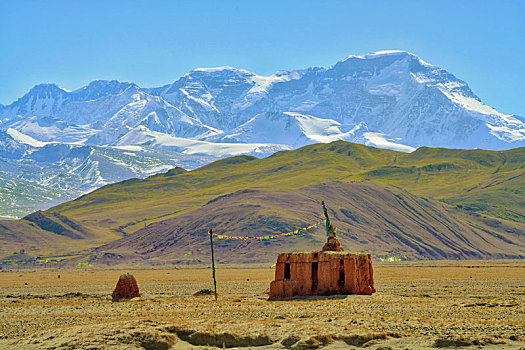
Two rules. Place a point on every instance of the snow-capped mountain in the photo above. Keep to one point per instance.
(390, 99)
(35, 174)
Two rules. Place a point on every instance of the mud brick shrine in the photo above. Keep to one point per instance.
(328, 272)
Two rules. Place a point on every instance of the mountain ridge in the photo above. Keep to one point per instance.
(205, 93)
(390, 99)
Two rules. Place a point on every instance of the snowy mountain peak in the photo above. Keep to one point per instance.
(107, 84)
(47, 88)
(259, 83)
(45, 91)
(390, 53)
(100, 88)
(42, 99)
(378, 54)
(220, 69)
(222, 75)
(388, 56)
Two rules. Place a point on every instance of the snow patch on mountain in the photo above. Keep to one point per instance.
(507, 134)
(22, 138)
(323, 130)
(141, 135)
(381, 140)
(263, 84)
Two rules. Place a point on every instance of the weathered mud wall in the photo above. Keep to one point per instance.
(322, 273)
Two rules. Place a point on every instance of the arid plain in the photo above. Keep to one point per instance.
(478, 304)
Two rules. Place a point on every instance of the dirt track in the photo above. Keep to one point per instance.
(436, 304)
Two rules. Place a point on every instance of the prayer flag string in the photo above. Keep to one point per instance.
(291, 233)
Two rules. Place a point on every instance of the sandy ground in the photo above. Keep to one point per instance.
(417, 306)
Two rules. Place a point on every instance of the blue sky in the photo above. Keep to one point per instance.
(153, 43)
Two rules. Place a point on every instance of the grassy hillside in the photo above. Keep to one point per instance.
(489, 183)
(370, 217)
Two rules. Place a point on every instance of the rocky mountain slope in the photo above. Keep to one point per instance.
(389, 99)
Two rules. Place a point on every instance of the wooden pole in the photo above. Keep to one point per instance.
(213, 265)
(327, 219)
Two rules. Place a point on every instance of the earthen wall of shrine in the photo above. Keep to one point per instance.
(322, 273)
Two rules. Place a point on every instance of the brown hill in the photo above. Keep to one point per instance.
(47, 234)
(371, 217)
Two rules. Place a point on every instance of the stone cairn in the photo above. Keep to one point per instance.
(126, 288)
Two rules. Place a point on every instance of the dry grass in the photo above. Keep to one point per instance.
(418, 305)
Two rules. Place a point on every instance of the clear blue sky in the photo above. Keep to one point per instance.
(153, 43)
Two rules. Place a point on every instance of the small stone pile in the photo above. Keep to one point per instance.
(203, 292)
(126, 288)
(332, 244)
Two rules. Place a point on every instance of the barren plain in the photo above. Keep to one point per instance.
(423, 305)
